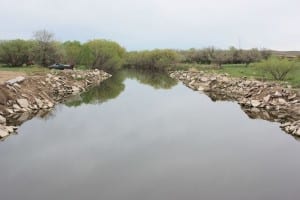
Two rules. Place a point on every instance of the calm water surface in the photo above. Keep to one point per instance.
(146, 137)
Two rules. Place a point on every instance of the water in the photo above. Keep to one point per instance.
(146, 137)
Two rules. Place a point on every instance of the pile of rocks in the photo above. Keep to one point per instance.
(276, 102)
(22, 98)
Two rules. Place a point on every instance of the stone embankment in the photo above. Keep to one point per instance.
(22, 98)
(265, 100)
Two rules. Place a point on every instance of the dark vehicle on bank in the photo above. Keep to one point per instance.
(61, 66)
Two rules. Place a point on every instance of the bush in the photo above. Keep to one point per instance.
(72, 52)
(102, 54)
(16, 52)
(277, 68)
(153, 60)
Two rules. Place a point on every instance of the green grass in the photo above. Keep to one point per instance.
(82, 67)
(33, 69)
(26, 69)
(240, 70)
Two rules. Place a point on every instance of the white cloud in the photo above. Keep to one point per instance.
(150, 24)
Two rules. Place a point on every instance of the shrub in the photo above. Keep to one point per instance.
(16, 52)
(153, 60)
(103, 54)
(277, 68)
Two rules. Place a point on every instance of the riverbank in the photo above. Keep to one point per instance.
(266, 100)
(23, 97)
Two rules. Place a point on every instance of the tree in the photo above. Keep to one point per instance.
(220, 57)
(46, 51)
(72, 52)
(103, 54)
(265, 53)
(155, 60)
(249, 56)
(16, 52)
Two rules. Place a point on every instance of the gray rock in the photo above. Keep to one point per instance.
(9, 111)
(281, 101)
(3, 133)
(267, 98)
(191, 83)
(16, 107)
(204, 79)
(24, 117)
(286, 124)
(50, 105)
(10, 129)
(39, 102)
(298, 132)
(17, 85)
(292, 97)
(18, 79)
(225, 79)
(200, 88)
(23, 103)
(277, 94)
(255, 103)
(2, 120)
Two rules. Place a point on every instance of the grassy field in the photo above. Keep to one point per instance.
(27, 69)
(33, 69)
(240, 70)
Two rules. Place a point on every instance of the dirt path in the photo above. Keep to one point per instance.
(6, 75)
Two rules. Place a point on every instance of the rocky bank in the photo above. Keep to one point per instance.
(265, 100)
(23, 98)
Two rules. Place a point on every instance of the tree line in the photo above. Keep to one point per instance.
(43, 50)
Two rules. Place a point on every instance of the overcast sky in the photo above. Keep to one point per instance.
(148, 24)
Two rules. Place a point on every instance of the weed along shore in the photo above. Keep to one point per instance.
(265, 100)
(22, 98)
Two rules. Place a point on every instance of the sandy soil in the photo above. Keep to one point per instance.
(6, 75)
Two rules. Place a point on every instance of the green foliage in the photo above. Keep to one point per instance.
(103, 54)
(153, 60)
(16, 52)
(72, 52)
(278, 68)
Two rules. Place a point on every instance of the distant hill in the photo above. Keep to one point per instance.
(289, 54)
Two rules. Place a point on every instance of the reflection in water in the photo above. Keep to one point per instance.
(18, 119)
(150, 144)
(108, 89)
(157, 80)
(256, 113)
(114, 86)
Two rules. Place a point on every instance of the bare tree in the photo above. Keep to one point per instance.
(46, 49)
(220, 57)
(44, 36)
